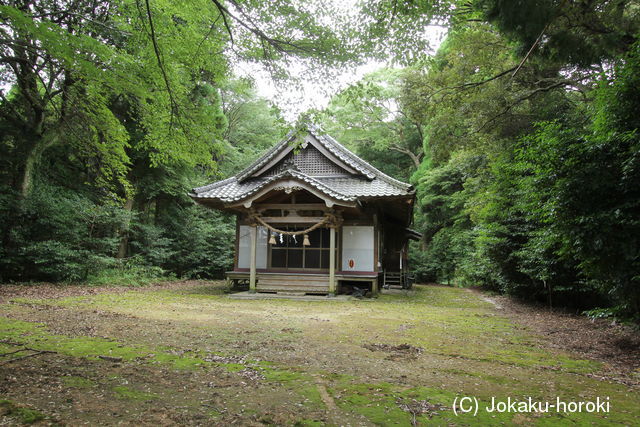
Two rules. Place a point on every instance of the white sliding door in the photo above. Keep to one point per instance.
(244, 247)
(357, 248)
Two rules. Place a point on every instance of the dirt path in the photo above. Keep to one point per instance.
(614, 344)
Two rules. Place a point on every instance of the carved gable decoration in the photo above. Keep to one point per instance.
(309, 161)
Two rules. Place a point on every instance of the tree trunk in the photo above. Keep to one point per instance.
(415, 158)
(26, 180)
(32, 156)
(160, 205)
(549, 290)
(124, 232)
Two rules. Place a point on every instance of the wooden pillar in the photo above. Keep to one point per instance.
(376, 254)
(332, 261)
(252, 257)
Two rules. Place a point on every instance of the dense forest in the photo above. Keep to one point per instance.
(520, 134)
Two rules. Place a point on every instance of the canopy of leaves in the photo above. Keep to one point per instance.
(368, 118)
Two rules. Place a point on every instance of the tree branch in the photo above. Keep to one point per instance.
(37, 352)
(415, 158)
(530, 50)
(521, 99)
(480, 83)
(224, 12)
(156, 50)
(249, 24)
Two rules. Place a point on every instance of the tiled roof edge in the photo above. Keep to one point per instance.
(332, 143)
(266, 158)
(204, 188)
(284, 174)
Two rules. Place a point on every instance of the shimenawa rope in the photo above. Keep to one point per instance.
(328, 219)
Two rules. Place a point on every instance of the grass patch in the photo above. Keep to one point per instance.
(35, 335)
(20, 414)
(281, 376)
(178, 362)
(129, 274)
(78, 382)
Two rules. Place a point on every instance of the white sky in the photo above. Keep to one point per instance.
(294, 99)
(310, 93)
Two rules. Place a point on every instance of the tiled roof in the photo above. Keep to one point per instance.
(230, 190)
(370, 182)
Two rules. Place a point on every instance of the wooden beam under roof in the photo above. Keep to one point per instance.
(287, 186)
(292, 219)
(292, 206)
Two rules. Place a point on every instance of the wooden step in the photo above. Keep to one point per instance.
(290, 280)
(299, 284)
(292, 288)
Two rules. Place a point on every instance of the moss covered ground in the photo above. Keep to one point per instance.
(191, 355)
